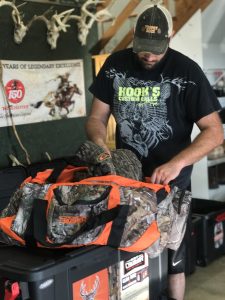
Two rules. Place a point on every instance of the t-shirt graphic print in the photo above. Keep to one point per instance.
(140, 110)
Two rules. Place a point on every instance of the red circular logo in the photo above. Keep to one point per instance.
(15, 91)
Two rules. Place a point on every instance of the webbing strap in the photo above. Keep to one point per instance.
(40, 223)
(29, 232)
(118, 225)
(56, 172)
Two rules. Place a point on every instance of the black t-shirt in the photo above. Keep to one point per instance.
(155, 109)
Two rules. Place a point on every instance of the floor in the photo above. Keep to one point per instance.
(207, 283)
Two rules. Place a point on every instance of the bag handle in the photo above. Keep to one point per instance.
(62, 174)
(58, 169)
(56, 172)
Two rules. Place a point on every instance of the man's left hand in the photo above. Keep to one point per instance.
(165, 173)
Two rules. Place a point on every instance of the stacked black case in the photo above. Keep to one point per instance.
(210, 230)
(49, 275)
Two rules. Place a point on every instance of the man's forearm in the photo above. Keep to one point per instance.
(96, 126)
(96, 131)
(205, 142)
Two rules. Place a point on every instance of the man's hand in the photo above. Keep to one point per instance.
(102, 144)
(166, 172)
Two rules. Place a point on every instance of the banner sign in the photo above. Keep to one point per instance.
(42, 91)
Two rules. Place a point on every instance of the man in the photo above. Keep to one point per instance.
(156, 94)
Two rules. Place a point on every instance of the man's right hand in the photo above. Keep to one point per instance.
(103, 145)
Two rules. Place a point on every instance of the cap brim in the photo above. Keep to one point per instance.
(149, 45)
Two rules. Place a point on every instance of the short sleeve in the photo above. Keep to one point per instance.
(200, 99)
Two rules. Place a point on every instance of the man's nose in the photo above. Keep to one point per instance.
(150, 57)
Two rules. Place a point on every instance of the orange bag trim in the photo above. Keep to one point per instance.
(5, 226)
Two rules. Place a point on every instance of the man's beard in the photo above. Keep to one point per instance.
(147, 65)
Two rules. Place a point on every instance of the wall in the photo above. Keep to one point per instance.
(189, 41)
(213, 24)
(213, 37)
(195, 40)
(58, 138)
(213, 56)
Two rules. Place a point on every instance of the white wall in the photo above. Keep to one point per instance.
(189, 41)
(214, 56)
(213, 35)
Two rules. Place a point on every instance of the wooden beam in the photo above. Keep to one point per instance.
(185, 10)
(125, 42)
(111, 31)
(165, 3)
(104, 4)
(205, 3)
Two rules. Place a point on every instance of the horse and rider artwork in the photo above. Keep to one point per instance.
(61, 101)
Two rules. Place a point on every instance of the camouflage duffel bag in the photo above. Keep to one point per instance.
(104, 210)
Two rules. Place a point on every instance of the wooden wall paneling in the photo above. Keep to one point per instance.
(99, 61)
(110, 140)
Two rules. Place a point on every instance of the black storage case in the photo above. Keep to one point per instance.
(10, 180)
(12, 177)
(49, 274)
(191, 246)
(210, 231)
